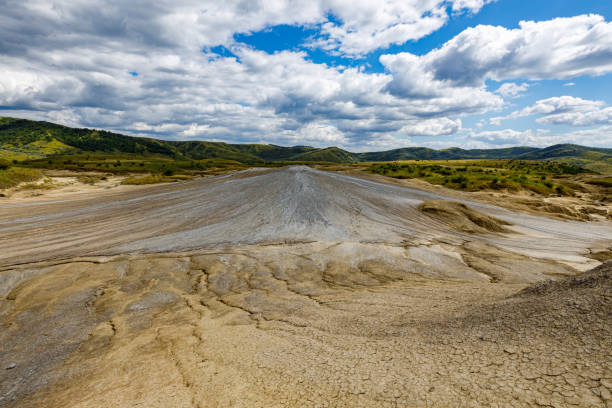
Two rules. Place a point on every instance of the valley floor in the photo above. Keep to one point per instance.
(298, 287)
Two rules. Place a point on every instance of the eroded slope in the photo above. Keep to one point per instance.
(297, 288)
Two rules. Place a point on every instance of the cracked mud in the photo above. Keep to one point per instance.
(298, 287)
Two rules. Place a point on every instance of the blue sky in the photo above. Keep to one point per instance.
(355, 74)
(503, 13)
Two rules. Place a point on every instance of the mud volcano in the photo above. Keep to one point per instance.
(297, 287)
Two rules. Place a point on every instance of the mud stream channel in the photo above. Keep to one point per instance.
(297, 287)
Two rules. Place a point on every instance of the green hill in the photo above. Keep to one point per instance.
(453, 153)
(272, 152)
(592, 158)
(328, 154)
(22, 139)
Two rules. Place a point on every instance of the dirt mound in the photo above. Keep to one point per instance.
(461, 217)
(597, 278)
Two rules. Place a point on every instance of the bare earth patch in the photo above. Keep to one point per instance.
(298, 287)
(461, 217)
(591, 204)
(66, 185)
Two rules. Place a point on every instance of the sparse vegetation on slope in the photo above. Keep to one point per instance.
(22, 139)
(603, 181)
(120, 164)
(461, 217)
(477, 175)
(13, 176)
(330, 154)
(150, 179)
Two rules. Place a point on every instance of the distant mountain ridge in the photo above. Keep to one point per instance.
(39, 139)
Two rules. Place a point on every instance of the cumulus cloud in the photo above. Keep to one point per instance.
(362, 26)
(505, 137)
(355, 27)
(180, 92)
(512, 90)
(319, 135)
(432, 127)
(596, 137)
(73, 62)
(411, 80)
(560, 104)
(555, 49)
(472, 5)
(589, 118)
(564, 110)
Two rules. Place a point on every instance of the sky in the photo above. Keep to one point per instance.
(362, 75)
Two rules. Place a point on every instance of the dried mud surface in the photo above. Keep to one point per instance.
(297, 288)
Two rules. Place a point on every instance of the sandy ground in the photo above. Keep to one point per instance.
(297, 287)
(62, 185)
(584, 206)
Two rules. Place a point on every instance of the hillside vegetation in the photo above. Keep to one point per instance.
(12, 176)
(541, 177)
(22, 139)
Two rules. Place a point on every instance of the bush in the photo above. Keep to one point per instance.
(12, 176)
(604, 181)
(151, 179)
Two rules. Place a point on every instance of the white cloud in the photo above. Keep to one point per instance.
(588, 118)
(569, 84)
(597, 137)
(365, 25)
(512, 90)
(560, 104)
(564, 110)
(505, 137)
(358, 26)
(70, 62)
(256, 97)
(412, 81)
(555, 49)
(472, 5)
(432, 127)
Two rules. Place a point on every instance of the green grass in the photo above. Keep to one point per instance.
(603, 181)
(601, 165)
(475, 175)
(118, 164)
(12, 176)
(34, 150)
(149, 179)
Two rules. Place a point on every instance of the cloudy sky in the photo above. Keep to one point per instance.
(359, 74)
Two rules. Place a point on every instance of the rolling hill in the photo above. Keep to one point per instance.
(22, 139)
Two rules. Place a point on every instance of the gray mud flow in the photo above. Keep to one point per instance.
(299, 288)
(295, 204)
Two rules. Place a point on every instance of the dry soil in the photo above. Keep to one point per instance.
(299, 287)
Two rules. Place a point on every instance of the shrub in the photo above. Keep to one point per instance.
(12, 176)
(150, 179)
(604, 181)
